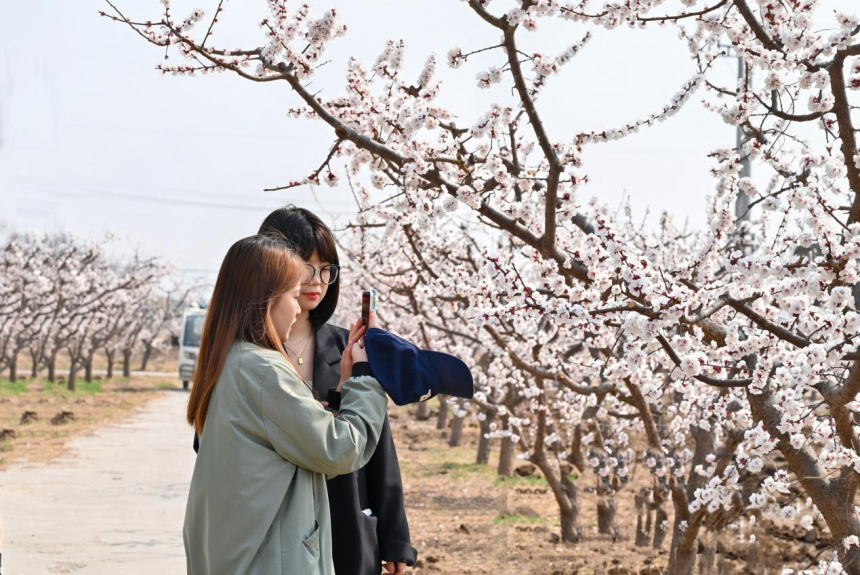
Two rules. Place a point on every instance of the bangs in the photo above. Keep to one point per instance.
(325, 246)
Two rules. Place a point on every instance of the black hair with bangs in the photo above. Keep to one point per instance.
(306, 233)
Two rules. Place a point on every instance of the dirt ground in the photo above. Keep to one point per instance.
(38, 436)
(466, 519)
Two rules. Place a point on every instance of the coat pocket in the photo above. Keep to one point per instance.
(312, 542)
(302, 556)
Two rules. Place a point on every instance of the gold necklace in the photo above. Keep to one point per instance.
(300, 359)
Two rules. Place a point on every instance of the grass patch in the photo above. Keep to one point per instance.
(91, 388)
(166, 385)
(531, 480)
(517, 480)
(465, 470)
(61, 388)
(13, 387)
(516, 518)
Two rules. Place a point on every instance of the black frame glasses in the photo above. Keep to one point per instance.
(333, 270)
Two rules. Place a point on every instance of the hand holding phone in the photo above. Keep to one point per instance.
(354, 352)
(368, 302)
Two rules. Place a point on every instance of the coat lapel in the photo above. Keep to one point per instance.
(327, 356)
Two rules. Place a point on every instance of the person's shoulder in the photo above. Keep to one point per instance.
(249, 356)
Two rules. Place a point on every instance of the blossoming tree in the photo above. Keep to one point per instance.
(720, 348)
(59, 293)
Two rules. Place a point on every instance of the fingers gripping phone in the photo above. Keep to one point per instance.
(368, 302)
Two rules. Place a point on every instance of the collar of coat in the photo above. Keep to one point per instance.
(328, 350)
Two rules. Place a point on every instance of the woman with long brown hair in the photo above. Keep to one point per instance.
(258, 502)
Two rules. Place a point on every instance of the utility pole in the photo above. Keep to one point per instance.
(742, 201)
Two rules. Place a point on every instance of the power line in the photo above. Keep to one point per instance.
(57, 186)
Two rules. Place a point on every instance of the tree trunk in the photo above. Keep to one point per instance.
(708, 558)
(569, 512)
(126, 363)
(73, 374)
(13, 367)
(147, 351)
(485, 444)
(34, 367)
(109, 355)
(456, 431)
(423, 411)
(644, 519)
(661, 518)
(506, 458)
(607, 511)
(88, 370)
(52, 367)
(682, 553)
(442, 418)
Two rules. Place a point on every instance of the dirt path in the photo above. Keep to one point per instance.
(114, 505)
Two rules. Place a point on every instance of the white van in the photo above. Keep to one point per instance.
(189, 342)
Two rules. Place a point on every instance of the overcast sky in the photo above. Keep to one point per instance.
(93, 138)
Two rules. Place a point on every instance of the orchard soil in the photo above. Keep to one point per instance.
(466, 519)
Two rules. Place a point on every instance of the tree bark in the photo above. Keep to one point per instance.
(661, 518)
(147, 351)
(442, 418)
(485, 444)
(607, 512)
(708, 559)
(109, 355)
(126, 363)
(570, 530)
(52, 367)
(456, 431)
(88, 369)
(644, 519)
(73, 375)
(506, 458)
(13, 367)
(568, 506)
(682, 552)
(422, 413)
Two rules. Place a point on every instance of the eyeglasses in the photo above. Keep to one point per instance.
(328, 273)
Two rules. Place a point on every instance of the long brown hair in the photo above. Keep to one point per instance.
(255, 272)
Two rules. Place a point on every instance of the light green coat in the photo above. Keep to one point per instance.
(258, 503)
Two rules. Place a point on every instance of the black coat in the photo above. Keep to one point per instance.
(360, 543)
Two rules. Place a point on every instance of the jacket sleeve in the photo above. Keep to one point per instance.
(304, 433)
(385, 492)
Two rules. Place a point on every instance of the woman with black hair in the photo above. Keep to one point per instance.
(368, 515)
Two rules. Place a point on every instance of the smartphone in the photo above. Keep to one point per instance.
(368, 302)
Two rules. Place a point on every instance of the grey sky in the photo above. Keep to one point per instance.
(94, 138)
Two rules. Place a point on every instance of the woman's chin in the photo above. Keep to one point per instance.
(308, 304)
